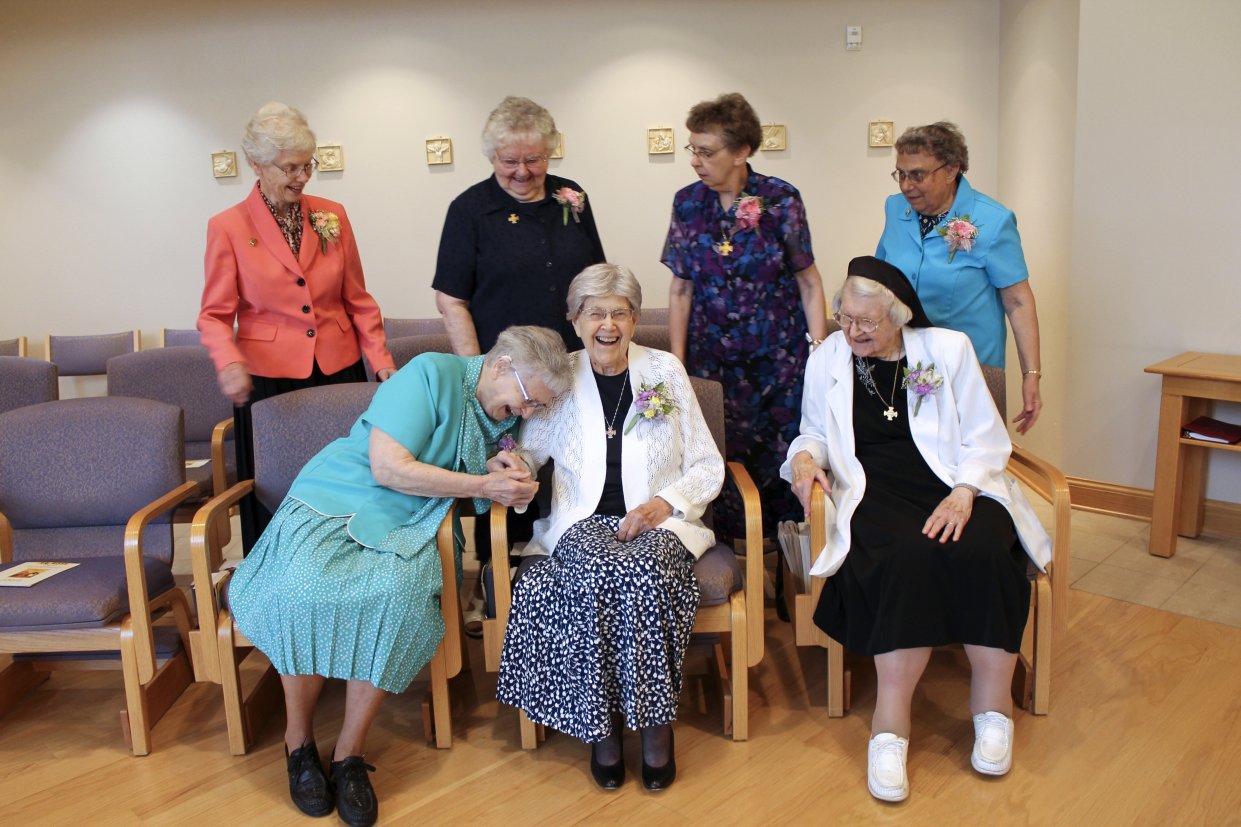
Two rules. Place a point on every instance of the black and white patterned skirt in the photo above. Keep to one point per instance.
(600, 627)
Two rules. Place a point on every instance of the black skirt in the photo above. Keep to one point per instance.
(898, 589)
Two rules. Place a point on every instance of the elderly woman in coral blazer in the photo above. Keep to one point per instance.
(284, 267)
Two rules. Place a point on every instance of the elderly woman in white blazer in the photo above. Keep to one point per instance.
(598, 630)
(930, 541)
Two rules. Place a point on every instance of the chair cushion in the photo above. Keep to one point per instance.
(92, 594)
(718, 574)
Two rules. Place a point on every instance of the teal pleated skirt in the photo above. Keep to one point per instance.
(316, 602)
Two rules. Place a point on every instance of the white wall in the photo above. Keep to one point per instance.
(1156, 268)
(1038, 96)
(109, 116)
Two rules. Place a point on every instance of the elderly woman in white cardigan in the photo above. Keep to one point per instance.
(930, 542)
(598, 631)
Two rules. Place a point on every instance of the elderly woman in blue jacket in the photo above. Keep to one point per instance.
(930, 542)
(961, 251)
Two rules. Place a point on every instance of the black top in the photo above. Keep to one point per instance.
(513, 261)
(617, 397)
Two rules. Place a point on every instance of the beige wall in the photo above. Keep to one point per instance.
(1156, 268)
(110, 115)
(1112, 145)
(1038, 99)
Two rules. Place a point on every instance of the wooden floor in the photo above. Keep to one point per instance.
(1144, 729)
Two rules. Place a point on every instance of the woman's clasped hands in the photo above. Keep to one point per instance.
(509, 481)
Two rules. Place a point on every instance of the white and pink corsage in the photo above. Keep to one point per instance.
(960, 235)
(652, 403)
(749, 210)
(923, 381)
(572, 200)
(327, 225)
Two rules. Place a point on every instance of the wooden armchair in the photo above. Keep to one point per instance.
(731, 602)
(288, 430)
(89, 355)
(25, 381)
(71, 475)
(1048, 601)
(13, 347)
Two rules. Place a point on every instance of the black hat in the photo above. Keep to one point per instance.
(876, 269)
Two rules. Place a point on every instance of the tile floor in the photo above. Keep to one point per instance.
(1107, 557)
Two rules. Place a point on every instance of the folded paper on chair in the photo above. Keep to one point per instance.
(1212, 430)
(795, 543)
(27, 574)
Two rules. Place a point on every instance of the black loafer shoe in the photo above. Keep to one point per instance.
(308, 785)
(661, 778)
(607, 776)
(355, 797)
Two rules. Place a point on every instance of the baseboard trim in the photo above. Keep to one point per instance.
(1126, 501)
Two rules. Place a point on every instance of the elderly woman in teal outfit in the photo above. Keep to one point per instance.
(961, 251)
(345, 581)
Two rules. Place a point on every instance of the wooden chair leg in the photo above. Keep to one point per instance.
(531, 733)
(135, 723)
(720, 666)
(441, 713)
(835, 679)
(1043, 632)
(740, 670)
(239, 737)
(16, 679)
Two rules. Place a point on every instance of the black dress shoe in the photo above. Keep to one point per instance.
(356, 803)
(661, 778)
(308, 785)
(607, 776)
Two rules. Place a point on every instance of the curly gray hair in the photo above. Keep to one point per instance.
(518, 119)
(941, 140)
(601, 281)
(864, 288)
(275, 128)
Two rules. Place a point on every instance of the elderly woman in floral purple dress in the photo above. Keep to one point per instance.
(746, 304)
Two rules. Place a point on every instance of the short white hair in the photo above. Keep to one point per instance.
(536, 351)
(863, 288)
(601, 281)
(518, 120)
(275, 128)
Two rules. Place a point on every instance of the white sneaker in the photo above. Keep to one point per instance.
(885, 767)
(993, 743)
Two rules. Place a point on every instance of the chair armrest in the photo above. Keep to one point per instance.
(450, 596)
(1049, 482)
(6, 539)
(136, 578)
(818, 539)
(205, 558)
(501, 580)
(753, 509)
(219, 471)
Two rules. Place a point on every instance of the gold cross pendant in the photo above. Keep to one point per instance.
(724, 247)
(512, 218)
(611, 432)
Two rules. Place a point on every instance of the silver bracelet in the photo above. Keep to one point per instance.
(973, 489)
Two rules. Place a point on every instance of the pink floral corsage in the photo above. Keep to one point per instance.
(960, 235)
(327, 225)
(572, 200)
(749, 209)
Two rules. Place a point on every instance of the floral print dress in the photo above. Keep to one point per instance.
(747, 328)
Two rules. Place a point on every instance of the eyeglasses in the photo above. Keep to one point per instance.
(531, 162)
(296, 171)
(527, 402)
(915, 175)
(846, 322)
(598, 314)
(702, 152)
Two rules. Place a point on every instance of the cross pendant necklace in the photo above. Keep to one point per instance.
(611, 431)
(891, 412)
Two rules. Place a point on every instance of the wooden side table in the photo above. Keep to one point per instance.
(1191, 381)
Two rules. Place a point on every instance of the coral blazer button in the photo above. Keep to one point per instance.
(305, 308)
(310, 333)
(301, 282)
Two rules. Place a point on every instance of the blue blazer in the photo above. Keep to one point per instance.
(964, 294)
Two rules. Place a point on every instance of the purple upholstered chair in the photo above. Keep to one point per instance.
(91, 481)
(89, 355)
(26, 382)
(288, 431)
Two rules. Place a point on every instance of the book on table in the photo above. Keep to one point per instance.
(1212, 430)
(29, 573)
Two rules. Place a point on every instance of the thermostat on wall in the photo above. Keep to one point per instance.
(853, 38)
